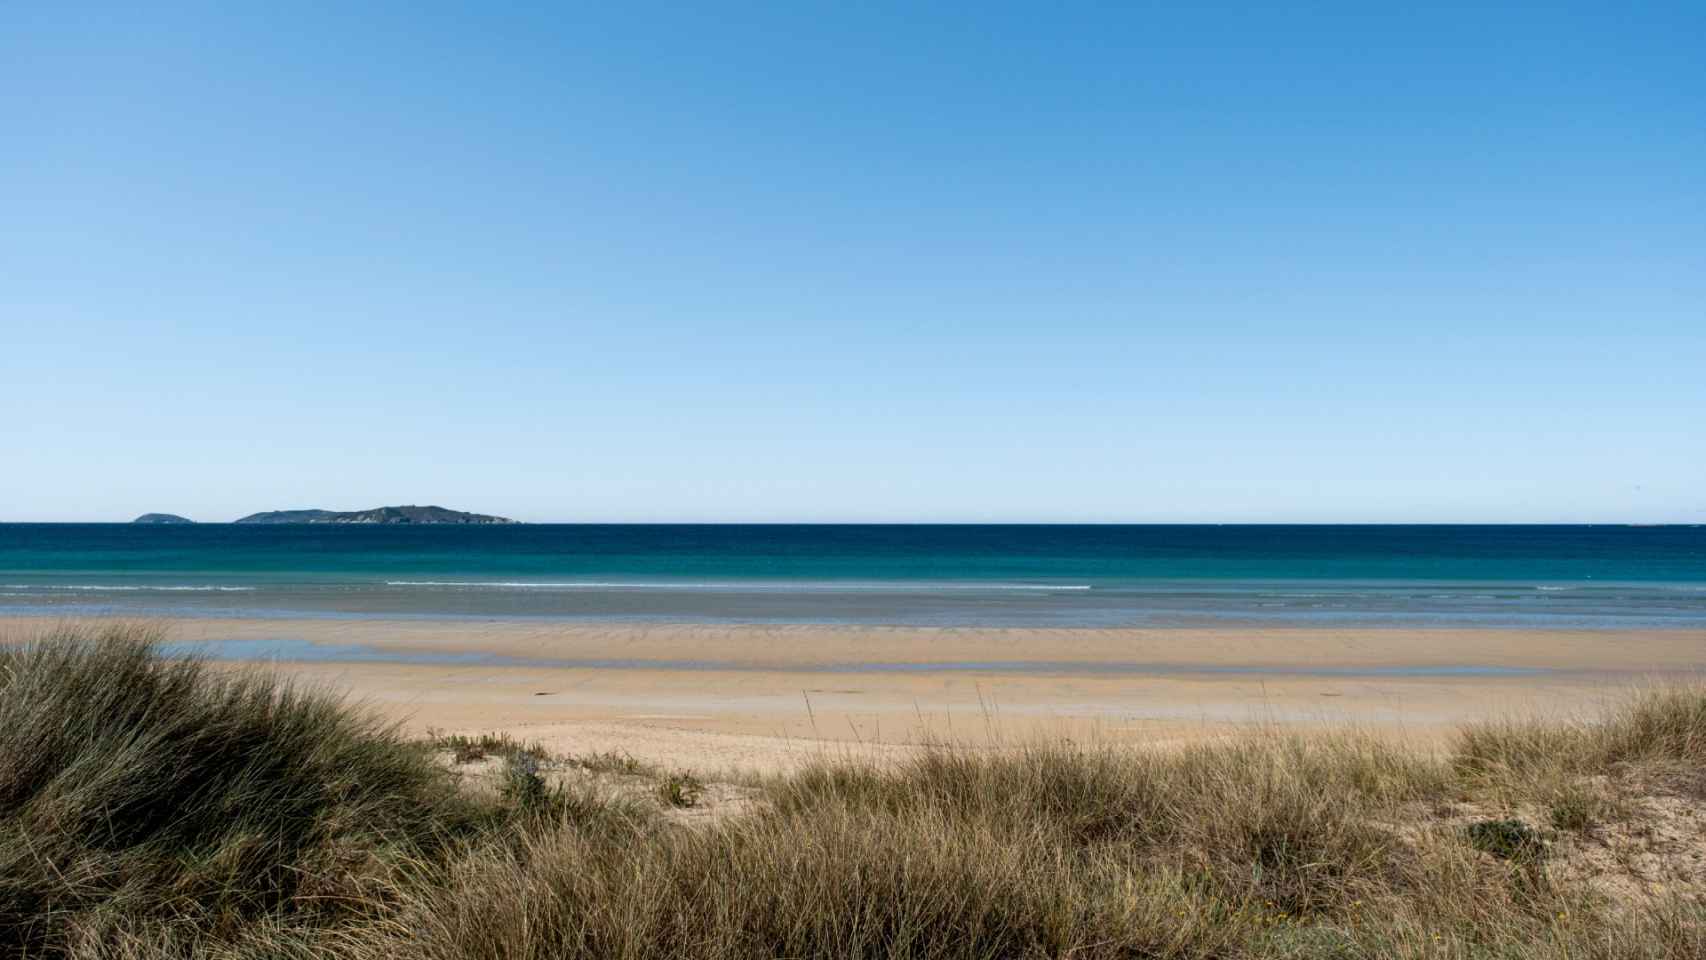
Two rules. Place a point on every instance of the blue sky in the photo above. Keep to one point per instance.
(855, 262)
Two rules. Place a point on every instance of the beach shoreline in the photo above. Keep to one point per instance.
(766, 697)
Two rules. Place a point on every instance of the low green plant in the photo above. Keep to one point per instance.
(680, 789)
(523, 784)
(612, 761)
(1509, 839)
(466, 749)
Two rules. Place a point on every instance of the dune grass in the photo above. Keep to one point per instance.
(153, 808)
(1273, 846)
(141, 795)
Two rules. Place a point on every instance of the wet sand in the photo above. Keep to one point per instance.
(764, 697)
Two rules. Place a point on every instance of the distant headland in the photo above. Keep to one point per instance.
(162, 518)
(405, 514)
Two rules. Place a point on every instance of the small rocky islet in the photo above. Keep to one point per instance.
(391, 515)
(162, 518)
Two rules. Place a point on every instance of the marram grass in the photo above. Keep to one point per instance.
(159, 808)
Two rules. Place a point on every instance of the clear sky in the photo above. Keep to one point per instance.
(790, 261)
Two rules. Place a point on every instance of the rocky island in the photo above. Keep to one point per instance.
(405, 514)
(162, 518)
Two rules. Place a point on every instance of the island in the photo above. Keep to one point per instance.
(405, 514)
(162, 518)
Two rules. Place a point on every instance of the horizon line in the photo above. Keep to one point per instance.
(910, 523)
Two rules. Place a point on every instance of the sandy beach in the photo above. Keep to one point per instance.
(762, 697)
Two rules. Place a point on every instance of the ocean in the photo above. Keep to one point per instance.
(925, 575)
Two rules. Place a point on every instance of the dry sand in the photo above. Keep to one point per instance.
(715, 698)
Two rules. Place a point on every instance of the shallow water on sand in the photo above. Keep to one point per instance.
(294, 650)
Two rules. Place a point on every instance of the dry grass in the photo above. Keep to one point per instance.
(185, 814)
(143, 798)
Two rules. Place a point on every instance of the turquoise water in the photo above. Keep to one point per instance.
(1598, 576)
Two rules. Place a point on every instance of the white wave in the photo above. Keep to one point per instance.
(129, 588)
(756, 585)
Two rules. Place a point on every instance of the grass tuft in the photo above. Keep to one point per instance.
(614, 762)
(139, 794)
(465, 749)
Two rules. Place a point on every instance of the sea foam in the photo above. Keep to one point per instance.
(130, 588)
(757, 586)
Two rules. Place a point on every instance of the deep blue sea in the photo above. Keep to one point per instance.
(975, 575)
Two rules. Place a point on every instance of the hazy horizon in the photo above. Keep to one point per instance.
(892, 264)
